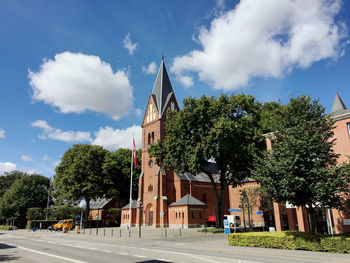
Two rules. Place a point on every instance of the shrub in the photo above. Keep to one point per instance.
(2, 227)
(291, 240)
(211, 230)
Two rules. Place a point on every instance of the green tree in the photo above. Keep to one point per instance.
(224, 130)
(300, 168)
(8, 179)
(28, 191)
(80, 175)
(117, 165)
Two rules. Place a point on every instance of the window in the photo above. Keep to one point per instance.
(348, 124)
(200, 215)
(176, 215)
(149, 138)
(192, 215)
(204, 198)
(152, 137)
(150, 163)
(150, 188)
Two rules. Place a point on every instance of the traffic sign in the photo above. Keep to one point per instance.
(259, 212)
(235, 210)
(226, 223)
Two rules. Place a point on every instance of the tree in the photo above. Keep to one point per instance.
(8, 179)
(117, 165)
(224, 130)
(80, 175)
(300, 168)
(28, 191)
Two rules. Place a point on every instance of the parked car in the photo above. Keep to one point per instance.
(65, 222)
(211, 220)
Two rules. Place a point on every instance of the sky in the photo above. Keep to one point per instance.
(82, 71)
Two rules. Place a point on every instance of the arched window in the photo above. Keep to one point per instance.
(200, 215)
(183, 215)
(192, 215)
(149, 138)
(176, 215)
(152, 137)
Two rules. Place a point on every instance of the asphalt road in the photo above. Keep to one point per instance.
(52, 247)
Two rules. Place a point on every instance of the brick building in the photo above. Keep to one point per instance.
(170, 199)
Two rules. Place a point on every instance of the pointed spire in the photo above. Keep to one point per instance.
(338, 104)
(162, 88)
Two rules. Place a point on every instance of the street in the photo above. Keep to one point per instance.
(26, 246)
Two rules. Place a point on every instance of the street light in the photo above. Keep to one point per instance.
(48, 200)
(140, 214)
(97, 220)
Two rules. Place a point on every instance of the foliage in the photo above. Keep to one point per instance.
(291, 240)
(6, 228)
(117, 165)
(299, 169)
(225, 130)
(35, 213)
(211, 230)
(28, 191)
(80, 174)
(8, 179)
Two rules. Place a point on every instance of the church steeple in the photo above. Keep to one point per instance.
(162, 89)
(338, 104)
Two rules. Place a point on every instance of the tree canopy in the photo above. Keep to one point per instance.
(27, 191)
(80, 174)
(224, 130)
(301, 167)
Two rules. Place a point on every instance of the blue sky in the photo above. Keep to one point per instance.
(82, 71)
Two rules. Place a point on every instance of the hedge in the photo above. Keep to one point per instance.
(292, 240)
(2, 227)
(211, 230)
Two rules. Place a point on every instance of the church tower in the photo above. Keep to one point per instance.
(153, 184)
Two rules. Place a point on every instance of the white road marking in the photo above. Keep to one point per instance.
(92, 248)
(47, 254)
(107, 251)
(121, 253)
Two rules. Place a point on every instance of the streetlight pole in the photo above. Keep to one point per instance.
(47, 205)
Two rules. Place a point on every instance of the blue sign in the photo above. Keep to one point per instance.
(235, 210)
(259, 212)
(226, 223)
(78, 215)
(227, 231)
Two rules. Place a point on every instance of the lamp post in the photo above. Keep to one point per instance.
(97, 221)
(47, 205)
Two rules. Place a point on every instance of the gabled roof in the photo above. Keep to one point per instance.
(339, 110)
(99, 203)
(162, 89)
(201, 176)
(187, 200)
(133, 205)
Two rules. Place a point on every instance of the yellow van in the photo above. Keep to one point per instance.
(65, 222)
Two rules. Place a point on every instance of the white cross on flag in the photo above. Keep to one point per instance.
(134, 152)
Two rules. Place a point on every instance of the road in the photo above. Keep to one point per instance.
(24, 246)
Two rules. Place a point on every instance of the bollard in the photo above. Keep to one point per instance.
(130, 233)
(90, 231)
(180, 232)
(96, 231)
(84, 230)
(120, 233)
(165, 233)
(104, 232)
(112, 232)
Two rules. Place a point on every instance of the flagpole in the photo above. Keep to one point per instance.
(131, 169)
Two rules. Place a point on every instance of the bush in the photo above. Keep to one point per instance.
(291, 240)
(2, 227)
(211, 230)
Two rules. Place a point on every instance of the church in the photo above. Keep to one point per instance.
(169, 199)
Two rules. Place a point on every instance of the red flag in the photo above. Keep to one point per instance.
(134, 152)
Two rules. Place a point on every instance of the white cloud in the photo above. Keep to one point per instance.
(75, 83)
(131, 47)
(264, 38)
(2, 134)
(46, 158)
(186, 81)
(57, 134)
(150, 69)
(56, 163)
(138, 112)
(113, 139)
(7, 167)
(26, 158)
